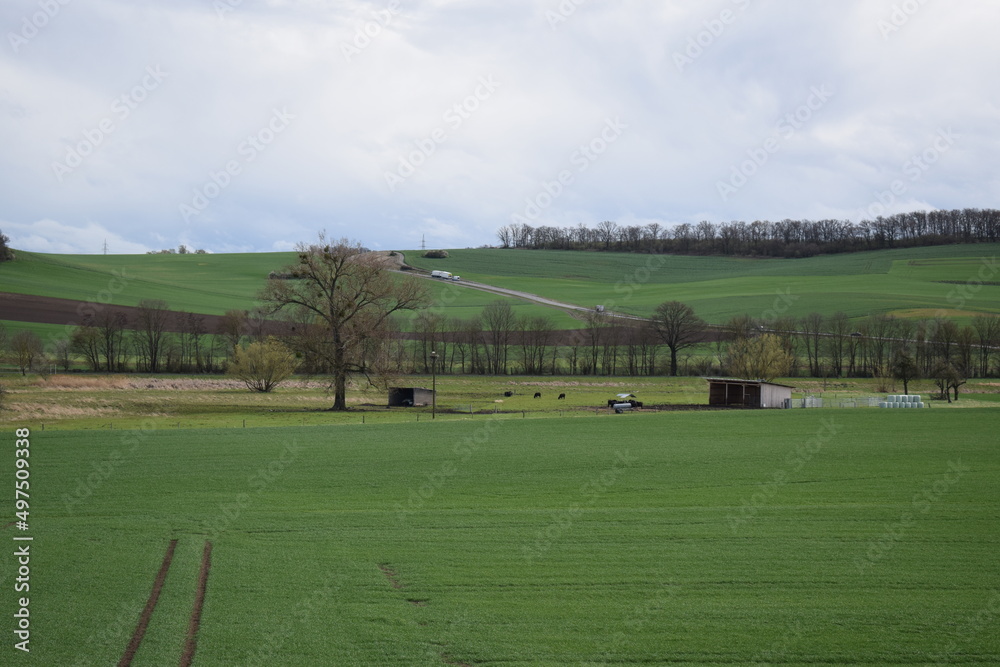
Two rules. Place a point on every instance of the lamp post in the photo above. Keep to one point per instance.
(434, 358)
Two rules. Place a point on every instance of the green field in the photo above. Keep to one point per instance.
(915, 282)
(906, 282)
(128, 401)
(790, 537)
(207, 284)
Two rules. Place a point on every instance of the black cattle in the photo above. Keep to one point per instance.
(508, 394)
(538, 394)
(561, 396)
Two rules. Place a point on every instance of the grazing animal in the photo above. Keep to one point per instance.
(561, 396)
(538, 394)
(508, 394)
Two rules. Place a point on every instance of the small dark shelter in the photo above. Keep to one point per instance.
(407, 397)
(729, 392)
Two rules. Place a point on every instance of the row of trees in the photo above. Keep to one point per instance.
(675, 341)
(787, 238)
(340, 305)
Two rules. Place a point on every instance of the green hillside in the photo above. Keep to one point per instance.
(916, 282)
(208, 284)
(906, 282)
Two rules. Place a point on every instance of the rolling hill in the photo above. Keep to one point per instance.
(958, 281)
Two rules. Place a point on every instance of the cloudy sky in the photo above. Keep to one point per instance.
(250, 125)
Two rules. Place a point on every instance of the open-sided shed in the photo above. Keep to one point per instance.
(407, 397)
(731, 392)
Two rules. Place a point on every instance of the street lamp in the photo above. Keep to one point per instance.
(434, 358)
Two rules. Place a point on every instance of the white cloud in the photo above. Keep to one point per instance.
(361, 101)
(56, 237)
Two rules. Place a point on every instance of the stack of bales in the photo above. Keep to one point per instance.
(903, 401)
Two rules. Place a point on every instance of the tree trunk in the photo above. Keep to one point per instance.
(339, 376)
(339, 392)
(673, 361)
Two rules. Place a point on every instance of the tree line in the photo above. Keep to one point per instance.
(337, 312)
(677, 342)
(786, 238)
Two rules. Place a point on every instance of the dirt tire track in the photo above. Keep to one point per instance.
(199, 603)
(154, 596)
(391, 575)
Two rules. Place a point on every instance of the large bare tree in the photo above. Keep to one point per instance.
(347, 296)
(679, 328)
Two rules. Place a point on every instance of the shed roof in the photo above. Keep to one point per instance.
(739, 381)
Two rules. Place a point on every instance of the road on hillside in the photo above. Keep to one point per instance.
(517, 294)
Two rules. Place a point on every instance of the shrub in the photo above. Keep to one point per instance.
(436, 254)
(262, 366)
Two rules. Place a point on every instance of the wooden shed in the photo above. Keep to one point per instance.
(731, 392)
(407, 397)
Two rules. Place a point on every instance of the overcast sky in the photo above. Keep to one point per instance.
(251, 125)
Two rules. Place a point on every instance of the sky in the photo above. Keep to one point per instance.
(252, 125)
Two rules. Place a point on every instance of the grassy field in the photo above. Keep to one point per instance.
(917, 282)
(905, 282)
(208, 284)
(795, 537)
(164, 401)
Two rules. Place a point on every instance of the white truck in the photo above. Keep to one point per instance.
(441, 274)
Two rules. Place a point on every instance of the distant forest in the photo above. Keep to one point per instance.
(787, 238)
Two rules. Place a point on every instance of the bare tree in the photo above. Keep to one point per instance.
(987, 328)
(812, 336)
(26, 348)
(904, 368)
(86, 341)
(499, 322)
(110, 325)
(151, 331)
(349, 297)
(839, 327)
(536, 335)
(679, 328)
(232, 328)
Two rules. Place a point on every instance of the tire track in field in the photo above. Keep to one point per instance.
(199, 602)
(154, 596)
(392, 576)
